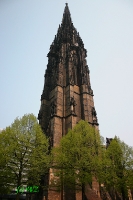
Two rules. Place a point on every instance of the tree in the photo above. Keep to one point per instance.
(24, 154)
(78, 156)
(118, 169)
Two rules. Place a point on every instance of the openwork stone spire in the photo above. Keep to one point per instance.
(67, 95)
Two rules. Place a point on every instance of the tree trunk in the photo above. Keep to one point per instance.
(17, 196)
(83, 191)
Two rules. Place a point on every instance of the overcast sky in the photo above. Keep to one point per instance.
(27, 28)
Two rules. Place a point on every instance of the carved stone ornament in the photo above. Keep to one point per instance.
(94, 115)
(72, 105)
(53, 108)
(90, 90)
(108, 141)
(84, 78)
(40, 115)
(71, 80)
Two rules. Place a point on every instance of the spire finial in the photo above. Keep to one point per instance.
(66, 16)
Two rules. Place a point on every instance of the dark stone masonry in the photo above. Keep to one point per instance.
(67, 95)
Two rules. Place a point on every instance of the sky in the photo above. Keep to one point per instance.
(27, 29)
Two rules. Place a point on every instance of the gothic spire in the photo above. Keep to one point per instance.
(67, 96)
(66, 20)
(66, 33)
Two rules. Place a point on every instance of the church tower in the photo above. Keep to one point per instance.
(67, 95)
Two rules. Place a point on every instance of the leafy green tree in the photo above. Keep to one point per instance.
(5, 173)
(118, 168)
(24, 156)
(78, 156)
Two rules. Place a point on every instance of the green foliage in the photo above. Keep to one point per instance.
(118, 167)
(81, 156)
(78, 155)
(23, 154)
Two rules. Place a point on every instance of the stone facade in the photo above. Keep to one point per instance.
(67, 95)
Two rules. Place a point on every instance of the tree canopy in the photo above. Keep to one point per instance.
(23, 154)
(118, 168)
(82, 155)
(78, 155)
